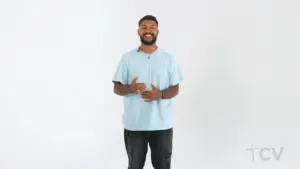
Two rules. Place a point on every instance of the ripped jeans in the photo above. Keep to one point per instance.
(160, 143)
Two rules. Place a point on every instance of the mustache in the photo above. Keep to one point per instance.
(148, 33)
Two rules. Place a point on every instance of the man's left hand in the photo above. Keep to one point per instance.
(153, 95)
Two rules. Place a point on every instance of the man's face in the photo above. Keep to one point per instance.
(148, 32)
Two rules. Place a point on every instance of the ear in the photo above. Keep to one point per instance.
(138, 31)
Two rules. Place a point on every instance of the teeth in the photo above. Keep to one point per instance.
(148, 35)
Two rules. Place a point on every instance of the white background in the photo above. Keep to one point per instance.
(240, 60)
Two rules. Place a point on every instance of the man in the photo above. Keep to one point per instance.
(148, 78)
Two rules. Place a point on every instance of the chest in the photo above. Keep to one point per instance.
(149, 69)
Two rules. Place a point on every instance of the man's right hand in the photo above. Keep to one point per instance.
(137, 88)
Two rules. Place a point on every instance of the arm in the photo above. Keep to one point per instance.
(175, 78)
(120, 79)
(170, 92)
(121, 89)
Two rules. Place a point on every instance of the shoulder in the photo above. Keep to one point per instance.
(129, 54)
(167, 55)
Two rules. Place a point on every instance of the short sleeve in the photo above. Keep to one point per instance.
(121, 74)
(176, 75)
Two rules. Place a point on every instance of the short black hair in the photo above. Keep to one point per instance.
(148, 17)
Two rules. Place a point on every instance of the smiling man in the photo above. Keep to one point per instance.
(148, 78)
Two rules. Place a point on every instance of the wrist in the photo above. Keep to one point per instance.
(129, 90)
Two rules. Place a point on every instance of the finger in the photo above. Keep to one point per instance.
(134, 80)
(142, 91)
(153, 87)
(136, 86)
(140, 85)
(143, 85)
(147, 94)
(147, 97)
(148, 100)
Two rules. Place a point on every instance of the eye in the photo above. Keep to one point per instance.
(144, 27)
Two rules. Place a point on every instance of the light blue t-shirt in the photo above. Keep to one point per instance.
(160, 69)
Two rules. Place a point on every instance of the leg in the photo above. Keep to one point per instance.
(136, 145)
(161, 148)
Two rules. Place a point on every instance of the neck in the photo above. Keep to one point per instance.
(148, 49)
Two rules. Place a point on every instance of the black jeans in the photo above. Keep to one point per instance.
(160, 143)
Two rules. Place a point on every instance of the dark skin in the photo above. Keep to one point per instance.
(133, 88)
(148, 96)
(146, 27)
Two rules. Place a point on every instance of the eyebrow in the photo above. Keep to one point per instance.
(149, 25)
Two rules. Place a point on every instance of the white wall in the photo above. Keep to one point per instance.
(240, 60)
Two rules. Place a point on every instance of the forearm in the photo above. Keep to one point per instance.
(121, 90)
(170, 92)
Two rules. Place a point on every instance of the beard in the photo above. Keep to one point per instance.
(148, 43)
